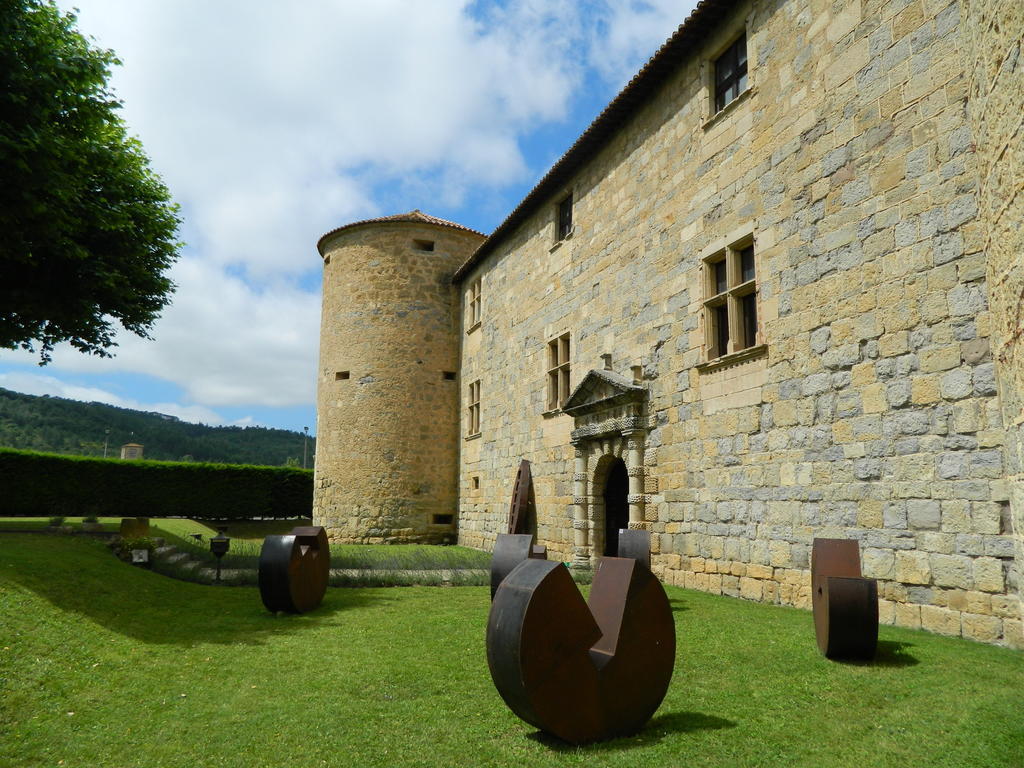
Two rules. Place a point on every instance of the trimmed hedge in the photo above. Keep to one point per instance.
(41, 484)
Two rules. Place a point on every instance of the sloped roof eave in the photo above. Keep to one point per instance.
(605, 126)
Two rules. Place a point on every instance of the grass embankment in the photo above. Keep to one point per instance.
(104, 664)
(357, 565)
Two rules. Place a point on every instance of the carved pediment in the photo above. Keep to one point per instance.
(601, 390)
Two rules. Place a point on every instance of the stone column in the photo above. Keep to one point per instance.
(635, 470)
(581, 546)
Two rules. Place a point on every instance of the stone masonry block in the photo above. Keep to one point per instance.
(984, 629)
(951, 571)
(988, 574)
(913, 567)
(940, 620)
(878, 563)
(924, 514)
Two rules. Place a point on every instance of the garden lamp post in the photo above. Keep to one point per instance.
(106, 439)
(305, 445)
(219, 546)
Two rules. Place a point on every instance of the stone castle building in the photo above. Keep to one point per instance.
(773, 292)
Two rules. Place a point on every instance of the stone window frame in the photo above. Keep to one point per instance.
(727, 293)
(558, 356)
(736, 82)
(720, 44)
(473, 304)
(473, 409)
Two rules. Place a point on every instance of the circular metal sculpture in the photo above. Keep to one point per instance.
(522, 509)
(294, 570)
(580, 671)
(845, 604)
(510, 549)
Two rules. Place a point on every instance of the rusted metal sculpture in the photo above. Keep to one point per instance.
(582, 672)
(294, 569)
(635, 544)
(522, 507)
(845, 604)
(510, 549)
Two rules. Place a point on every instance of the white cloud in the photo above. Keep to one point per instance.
(39, 384)
(629, 32)
(221, 341)
(273, 123)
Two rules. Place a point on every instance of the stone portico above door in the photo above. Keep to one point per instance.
(610, 426)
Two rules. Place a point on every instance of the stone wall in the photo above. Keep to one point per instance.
(993, 32)
(387, 432)
(868, 407)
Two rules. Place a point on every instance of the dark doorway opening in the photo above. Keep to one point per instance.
(616, 506)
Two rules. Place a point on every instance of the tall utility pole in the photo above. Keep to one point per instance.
(106, 439)
(305, 445)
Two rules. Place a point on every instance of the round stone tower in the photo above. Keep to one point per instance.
(388, 389)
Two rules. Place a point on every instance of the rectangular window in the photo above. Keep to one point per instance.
(558, 372)
(730, 306)
(473, 303)
(565, 217)
(473, 411)
(731, 73)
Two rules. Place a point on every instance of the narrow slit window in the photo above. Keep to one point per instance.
(473, 409)
(448, 375)
(473, 303)
(443, 519)
(565, 217)
(423, 245)
(342, 376)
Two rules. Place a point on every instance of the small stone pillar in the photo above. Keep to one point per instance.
(635, 470)
(581, 547)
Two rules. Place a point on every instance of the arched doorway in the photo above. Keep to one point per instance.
(616, 506)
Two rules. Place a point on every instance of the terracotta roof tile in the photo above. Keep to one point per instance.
(417, 216)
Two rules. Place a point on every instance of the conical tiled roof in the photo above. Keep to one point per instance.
(416, 216)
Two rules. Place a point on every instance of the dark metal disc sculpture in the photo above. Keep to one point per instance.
(294, 569)
(510, 549)
(845, 604)
(582, 671)
(522, 500)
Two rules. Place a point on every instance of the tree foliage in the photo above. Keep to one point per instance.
(87, 229)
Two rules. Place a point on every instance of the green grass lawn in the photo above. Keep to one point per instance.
(103, 664)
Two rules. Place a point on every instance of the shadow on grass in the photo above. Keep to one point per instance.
(888, 653)
(656, 729)
(678, 605)
(85, 580)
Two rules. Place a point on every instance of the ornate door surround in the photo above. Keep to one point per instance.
(609, 411)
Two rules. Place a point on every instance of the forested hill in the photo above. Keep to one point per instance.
(56, 425)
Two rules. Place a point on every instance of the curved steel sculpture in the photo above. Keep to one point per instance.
(845, 604)
(510, 549)
(294, 569)
(522, 507)
(582, 671)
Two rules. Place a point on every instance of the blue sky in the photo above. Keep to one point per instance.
(272, 127)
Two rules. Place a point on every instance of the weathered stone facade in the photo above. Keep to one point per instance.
(993, 35)
(866, 409)
(387, 439)
(874, 171)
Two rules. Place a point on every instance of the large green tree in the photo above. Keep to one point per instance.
(87, 229)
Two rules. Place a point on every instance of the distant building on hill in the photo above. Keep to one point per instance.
(131, 451)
